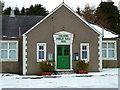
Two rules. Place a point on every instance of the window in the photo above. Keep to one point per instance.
(59, 51)
(109, 50)
(41, 51)
(66, 51)
(9, 50)
(84, 51)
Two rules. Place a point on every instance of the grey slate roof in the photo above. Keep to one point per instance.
(11, 25)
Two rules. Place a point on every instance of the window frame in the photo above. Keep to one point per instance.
(88, 54)
(38, 44)
(8, 49)
(115, 50)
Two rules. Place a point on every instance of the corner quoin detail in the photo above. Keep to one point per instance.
(100, 53)
(24, 54)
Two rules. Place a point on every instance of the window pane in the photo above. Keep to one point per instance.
(104, 45)
(110, 45)
(41, 54)
(12, 54)
(84, 54)
(12, 45)
(111, 53)
(4, 45)
(84, 47)
(40, 47)
(4, 54)
(59, 52)
(0, 45)
(66, 51)
(104, 55)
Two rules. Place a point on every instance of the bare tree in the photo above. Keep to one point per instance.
(88, 13)
(79, 11)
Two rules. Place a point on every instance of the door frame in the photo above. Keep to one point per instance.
(70, 56)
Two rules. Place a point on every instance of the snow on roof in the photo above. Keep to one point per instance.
(104, 32)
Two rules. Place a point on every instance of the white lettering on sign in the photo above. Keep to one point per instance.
(63, 37)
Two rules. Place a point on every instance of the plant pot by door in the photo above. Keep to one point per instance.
(82, 72)
(46, 73)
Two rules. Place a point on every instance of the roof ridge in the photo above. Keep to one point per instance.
(23, 16)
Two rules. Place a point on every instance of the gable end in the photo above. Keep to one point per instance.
(63, 4)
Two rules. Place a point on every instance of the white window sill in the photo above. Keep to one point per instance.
(9, 60)
(85, 59)
(40, 60)
(109, 58)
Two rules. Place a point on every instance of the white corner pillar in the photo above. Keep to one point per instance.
(24, 68)
(100, 52)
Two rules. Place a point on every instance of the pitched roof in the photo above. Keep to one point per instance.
(106, 33)
(13, 26)
(63, 4)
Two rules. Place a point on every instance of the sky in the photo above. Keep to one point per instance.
(52, 4)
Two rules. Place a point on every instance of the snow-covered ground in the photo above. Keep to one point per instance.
(106, 79)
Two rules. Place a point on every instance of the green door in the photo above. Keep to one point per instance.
(63, 56)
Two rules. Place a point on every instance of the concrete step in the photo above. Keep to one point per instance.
(64, 72)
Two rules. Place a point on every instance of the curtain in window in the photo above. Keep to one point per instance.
(41, 54)
(84, 54)
(41, 51)
(84, 51)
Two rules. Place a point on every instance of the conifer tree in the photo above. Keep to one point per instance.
(38, 9)
(17, 11)
(7, 11)
(23, 11)
(108, 16)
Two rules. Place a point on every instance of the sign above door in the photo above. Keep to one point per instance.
(63, 37)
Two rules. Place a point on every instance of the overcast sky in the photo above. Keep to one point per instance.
(51, 4)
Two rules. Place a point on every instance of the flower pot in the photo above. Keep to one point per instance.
(46, 73)
(82, 72)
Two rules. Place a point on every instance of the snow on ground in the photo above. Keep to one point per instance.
(106, 79)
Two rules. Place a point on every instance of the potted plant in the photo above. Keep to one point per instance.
(82, 67)
(47, 67)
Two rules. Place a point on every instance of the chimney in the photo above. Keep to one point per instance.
(12, 14)
(19, 32)
(109, 1)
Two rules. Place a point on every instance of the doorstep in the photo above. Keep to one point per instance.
(65, 72)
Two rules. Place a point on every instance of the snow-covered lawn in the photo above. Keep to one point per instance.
(106, 79)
